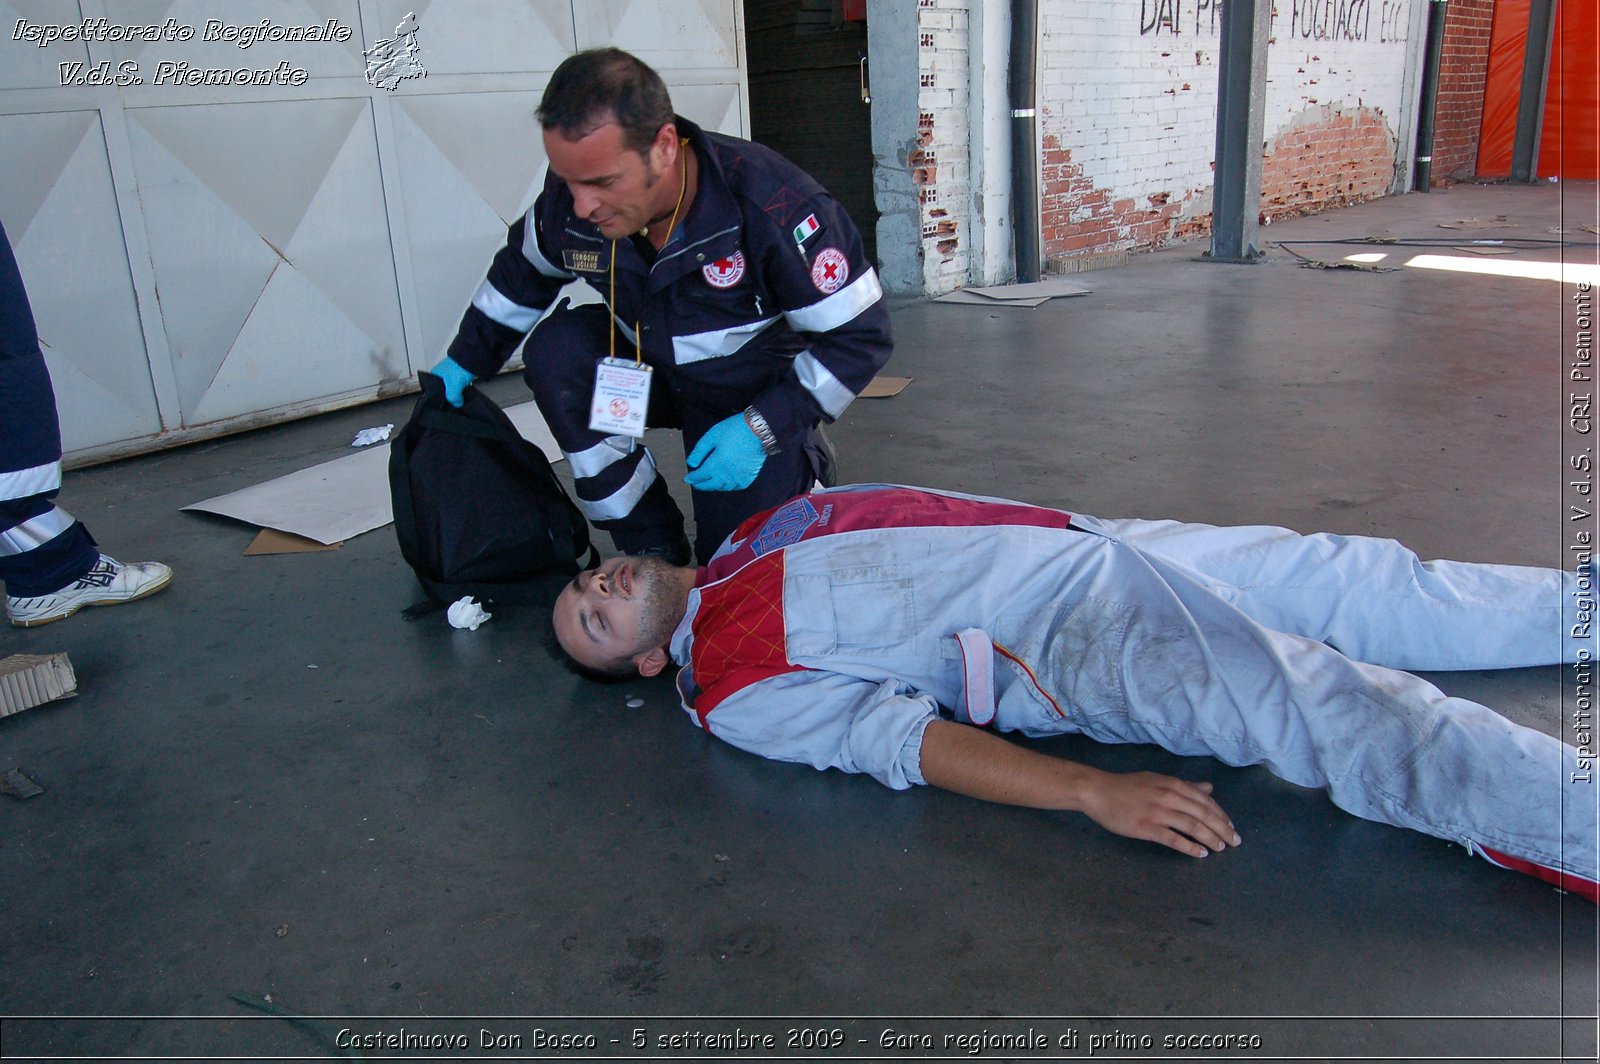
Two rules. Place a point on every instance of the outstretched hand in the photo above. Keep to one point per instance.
(1141, 805)
(1173, 812)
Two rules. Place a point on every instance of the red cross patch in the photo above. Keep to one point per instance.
(830, 270)
(725, 273)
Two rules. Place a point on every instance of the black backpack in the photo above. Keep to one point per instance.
(477, 509)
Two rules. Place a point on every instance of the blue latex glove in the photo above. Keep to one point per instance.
(727, 458)
(455, 377)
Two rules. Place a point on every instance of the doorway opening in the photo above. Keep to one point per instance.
(809, 96)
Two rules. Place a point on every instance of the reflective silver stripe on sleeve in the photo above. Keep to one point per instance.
(592, 461)
(843, 306)
(829, 392)
(35, 531)
(697, 347)
(621, 502)
(531, 252)
(489, 299)
(21, 483)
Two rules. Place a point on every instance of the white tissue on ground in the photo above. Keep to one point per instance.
(466, 613)
(367, 437)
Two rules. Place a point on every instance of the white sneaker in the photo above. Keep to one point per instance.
(107, 584)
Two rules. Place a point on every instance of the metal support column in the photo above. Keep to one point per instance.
(1430, 95)
(1024, 138)
(1535, 76)
(1241, 119)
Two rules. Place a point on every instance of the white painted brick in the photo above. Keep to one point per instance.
(1115, 98)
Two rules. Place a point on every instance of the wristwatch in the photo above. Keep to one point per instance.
(763, 431)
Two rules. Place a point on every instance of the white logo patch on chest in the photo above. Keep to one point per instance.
(725, 273)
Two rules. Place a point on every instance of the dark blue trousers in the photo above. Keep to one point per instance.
(616, 481)
(42, 548)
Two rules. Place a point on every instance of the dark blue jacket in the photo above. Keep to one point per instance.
(762, 297)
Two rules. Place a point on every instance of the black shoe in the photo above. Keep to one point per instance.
(674, 553)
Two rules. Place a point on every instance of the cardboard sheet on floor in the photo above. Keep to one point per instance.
(1015, 295)
(271, 541)
(961, 295)
(884, 387)
(336, 500)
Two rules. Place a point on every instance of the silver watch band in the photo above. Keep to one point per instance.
(763, 431)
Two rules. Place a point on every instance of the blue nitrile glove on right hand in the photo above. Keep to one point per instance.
(455, 377)
(727, 458)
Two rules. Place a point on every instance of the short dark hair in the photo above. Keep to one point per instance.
(600, 85)
(620, 672)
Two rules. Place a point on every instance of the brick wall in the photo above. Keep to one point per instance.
(1327, 156)
(1128, 96)
(940, 164)
(1463, 67)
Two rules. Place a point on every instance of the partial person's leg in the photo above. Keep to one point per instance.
(1195, 675)
(615, 477)
(42, 548)
(1374, 599)
(49, 563)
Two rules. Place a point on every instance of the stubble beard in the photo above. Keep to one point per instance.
(661, 603)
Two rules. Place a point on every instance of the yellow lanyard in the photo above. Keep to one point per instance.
(683, 187)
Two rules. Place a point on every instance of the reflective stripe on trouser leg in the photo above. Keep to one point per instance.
(37, 480)
(614, 489)
(35, 532)
(616, 483)
(44, 552)
(640, 514)
(33, 559)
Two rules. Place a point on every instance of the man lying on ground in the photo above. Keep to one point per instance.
(886, 630)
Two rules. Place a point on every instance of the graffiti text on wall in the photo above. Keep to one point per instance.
(1348, 20)
(1312, 20)
(1167, 16)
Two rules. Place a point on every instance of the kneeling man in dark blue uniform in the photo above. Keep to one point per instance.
(738, 307)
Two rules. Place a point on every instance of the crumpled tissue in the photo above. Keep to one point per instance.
(466, 613)
(367, 437)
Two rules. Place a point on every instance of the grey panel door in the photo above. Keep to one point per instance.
(207, 253)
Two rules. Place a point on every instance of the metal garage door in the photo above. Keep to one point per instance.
(204, 257)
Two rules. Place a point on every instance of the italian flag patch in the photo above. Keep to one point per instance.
(806, 229)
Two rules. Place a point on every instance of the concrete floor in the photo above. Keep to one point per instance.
(273, 784)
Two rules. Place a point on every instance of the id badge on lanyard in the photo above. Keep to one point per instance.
(621, 397)
(622, 388)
